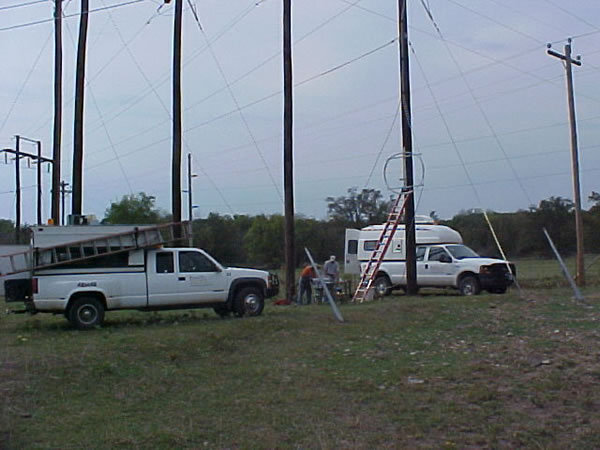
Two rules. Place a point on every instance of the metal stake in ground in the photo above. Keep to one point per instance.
(336, 311)
(576, 290)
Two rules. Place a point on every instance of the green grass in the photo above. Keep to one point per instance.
(439, 371)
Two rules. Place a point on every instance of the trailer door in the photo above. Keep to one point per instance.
(351, 264)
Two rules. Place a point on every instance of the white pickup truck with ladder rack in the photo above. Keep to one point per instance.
(83, 271)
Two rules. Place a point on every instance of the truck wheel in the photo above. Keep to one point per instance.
(86, 313)
(383, 285)
(468, 285)
(249, 301)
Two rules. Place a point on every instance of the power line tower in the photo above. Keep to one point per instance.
(37, 159)
(568, 62)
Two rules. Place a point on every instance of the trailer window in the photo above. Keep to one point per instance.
(164, 262)
(353, 247)
(369, 246)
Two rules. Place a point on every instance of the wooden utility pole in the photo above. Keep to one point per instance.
(190, 204)
(18, 189)
(176, 158)
(63, 192)
(411, 263)
(77, 181)
(39, 182)
(190, 201)
(574, 155)
(56, 146)
(288, 168)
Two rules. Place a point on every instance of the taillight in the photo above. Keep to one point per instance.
(34, 285)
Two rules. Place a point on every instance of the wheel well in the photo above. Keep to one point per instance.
(97, 295)
(381, 273)
(245, 284)
(466, 274)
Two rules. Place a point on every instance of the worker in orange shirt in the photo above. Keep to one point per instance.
(307, 274)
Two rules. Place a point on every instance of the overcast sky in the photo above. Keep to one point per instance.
(489, 105)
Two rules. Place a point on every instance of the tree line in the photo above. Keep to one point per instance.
(258, 240)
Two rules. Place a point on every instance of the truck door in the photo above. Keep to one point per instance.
(200, 279)
(351, 264)
(438, 269)
(163, 283)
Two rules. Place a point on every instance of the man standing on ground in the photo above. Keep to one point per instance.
(306, 276)
(332, 269)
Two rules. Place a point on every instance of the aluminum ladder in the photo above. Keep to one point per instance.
(385, 239)
(109, 244)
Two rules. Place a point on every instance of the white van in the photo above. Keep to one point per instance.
(442, 261)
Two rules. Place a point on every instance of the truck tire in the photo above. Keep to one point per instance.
(469, 285)
(249, 301)
(383, 285)
(86, 312)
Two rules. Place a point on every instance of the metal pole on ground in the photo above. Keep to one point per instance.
(563, 266)
(334, 307)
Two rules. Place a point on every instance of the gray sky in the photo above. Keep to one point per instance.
(489, 105)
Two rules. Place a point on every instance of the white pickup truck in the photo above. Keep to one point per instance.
(442, 261)
(449, 265)
(145, 279)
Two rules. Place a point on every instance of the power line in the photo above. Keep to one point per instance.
(566, 11)
(25, 81)
(38, 22)
(491, 19)
(20, 5)
(235, 101)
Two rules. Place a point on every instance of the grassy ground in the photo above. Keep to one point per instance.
(433, 371)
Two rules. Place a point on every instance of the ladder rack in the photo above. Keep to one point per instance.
(385, 239)
(82, 250)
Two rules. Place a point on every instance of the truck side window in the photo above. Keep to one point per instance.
(195, 262)
(420, 253)
(435, 253)
(164, 262)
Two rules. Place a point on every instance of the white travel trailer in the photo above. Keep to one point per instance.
(442, 260)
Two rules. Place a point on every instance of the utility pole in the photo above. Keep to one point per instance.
(39, 182)
(288, 168)
(63, 192)
(409, 212)
(39, 160)
(176, 158)
(56, 146)
(18, 190)
(79, 97)
(190, 202)
(568, 61)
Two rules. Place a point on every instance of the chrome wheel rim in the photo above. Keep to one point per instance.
(87, 314)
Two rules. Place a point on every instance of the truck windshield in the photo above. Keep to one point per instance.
(461, 251)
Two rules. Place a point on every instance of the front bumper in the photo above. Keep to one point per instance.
(273, 286)
(498, 277)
